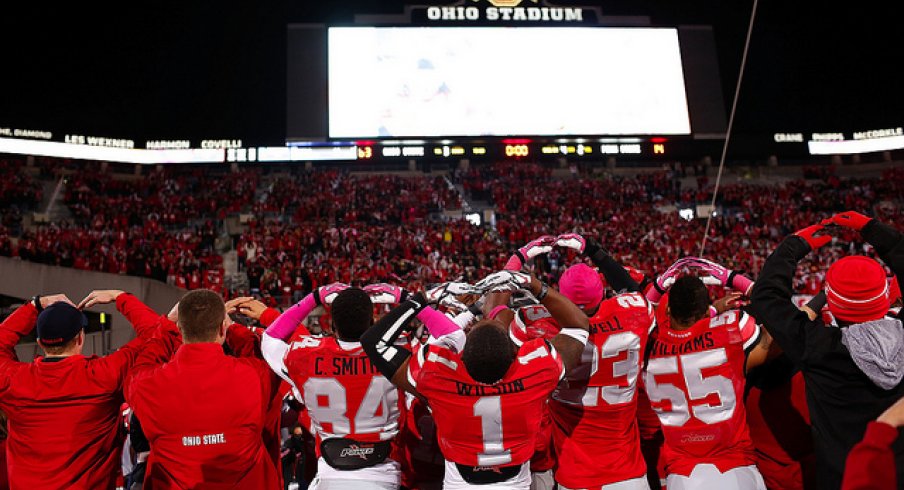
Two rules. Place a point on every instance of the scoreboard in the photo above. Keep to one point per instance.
(503, 80)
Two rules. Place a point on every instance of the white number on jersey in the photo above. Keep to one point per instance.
(381, 398)
(698, 388)
(632, 300)
(629, 367)
(489, 410)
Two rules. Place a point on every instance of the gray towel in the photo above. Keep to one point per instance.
(877, 347)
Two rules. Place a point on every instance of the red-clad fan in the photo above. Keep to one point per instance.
(871, 463)
(694, 376)
(65, 387)
(202, 411)
(353, 408)
(486, 393)
(852, 372)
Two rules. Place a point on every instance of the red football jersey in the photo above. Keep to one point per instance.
(535, 322)
(344, 394)
(487, 425)
(695, 380)
(417, 448)
(597, 407)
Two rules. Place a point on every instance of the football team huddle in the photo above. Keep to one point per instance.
(611, 380)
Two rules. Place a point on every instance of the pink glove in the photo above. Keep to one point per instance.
(326, 294)
(665, 281)
(385, 294)
(534, 248)
(726, 276)
(572, 241)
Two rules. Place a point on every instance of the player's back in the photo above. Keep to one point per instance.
(596, 407)
(695, 381)
(487, 425)
(344, 394)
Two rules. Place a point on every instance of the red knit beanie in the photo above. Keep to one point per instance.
(857, 289)
(894, 290)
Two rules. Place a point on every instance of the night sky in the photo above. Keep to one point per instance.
(217, 69)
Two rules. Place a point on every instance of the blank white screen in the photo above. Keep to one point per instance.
(499, 81)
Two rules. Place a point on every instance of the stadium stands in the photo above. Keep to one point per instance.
(315, 227)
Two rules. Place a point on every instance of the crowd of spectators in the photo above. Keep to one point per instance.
(311, 228)
(19, 193)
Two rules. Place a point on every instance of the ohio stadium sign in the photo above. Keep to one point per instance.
(507, 11)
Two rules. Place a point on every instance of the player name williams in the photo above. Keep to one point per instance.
(516, 14)
(701, 342)
(484, 390)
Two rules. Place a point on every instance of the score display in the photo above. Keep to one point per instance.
(520, 149)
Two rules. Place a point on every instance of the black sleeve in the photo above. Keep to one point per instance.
(380, 339)
(818, 302)
(616, 275)
(770, 301)
(889, 243)
(136, 436)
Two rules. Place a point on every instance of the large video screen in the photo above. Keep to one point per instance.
(497, 81)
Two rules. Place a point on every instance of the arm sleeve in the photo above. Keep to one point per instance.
(16, 326)
(145, 322)
(155, 352)
(242, 341)
(889, 243)
(871, 463)
(379, 341)
(285, 326)
(269, 316)
(143, 319)
(770, 301)
(818, 302)
(616, 275)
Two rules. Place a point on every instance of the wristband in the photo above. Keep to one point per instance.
(578, 334)
(544, 291)
(36, 301)
(496, 311)
(475, 310)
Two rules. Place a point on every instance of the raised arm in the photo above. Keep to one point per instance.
(142, 318)
(575, 331)
(379, 341)
(888, 241)
(16, 326)
(274, 342)
(575, 326)
(616, 275)
(770, 299)
(158, 350)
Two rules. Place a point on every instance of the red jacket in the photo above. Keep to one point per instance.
(63, 415)
(246, 342)
(871, 463)
(203, 413)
